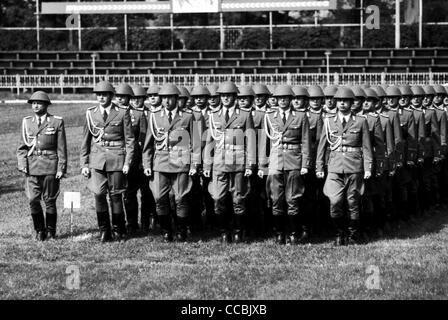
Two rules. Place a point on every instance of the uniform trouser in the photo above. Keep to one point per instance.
(113, 183)
(430, 184)
(44, 188)
(201, 201)
(313, 200)
(287, 188)
(138, 181)
(340, 187)
(180, 183)
(386, 207)
(256, 204)
(443, 181)
(405, 193)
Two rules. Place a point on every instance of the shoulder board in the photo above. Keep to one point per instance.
(91, 108)
(187, 111)
(28, 117)
(58, 117)
(407, 109)
(216, 110)
(300, 110)
(157, 110)
(385, 115)
(418, 110)
(373, 114)
(245, 109)
(270, 111)
(330, 115)
(122, 107)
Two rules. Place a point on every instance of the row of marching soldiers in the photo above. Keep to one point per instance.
(252, 160)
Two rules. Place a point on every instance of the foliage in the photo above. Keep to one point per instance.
(201, 39)
(253, 39)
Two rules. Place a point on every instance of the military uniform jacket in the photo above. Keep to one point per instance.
(289, 142)
(394, 119)
(420, 131)
(389, 156)
(43, 150)
(139, 129)
(351, 150)
(107, 145)
(377, 141)
(231, 145)
(172, 148)
(442, 121)
(432, 134)
(316, 125)
(258, 116)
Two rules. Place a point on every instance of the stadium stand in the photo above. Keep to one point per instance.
(225, 61)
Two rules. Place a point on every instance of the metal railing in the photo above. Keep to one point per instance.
(62, 82)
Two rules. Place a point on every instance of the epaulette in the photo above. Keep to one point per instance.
(122, 107)
(216, 110)
(58, 117)
(300, 110)
(246, 109)
(315, 112)
(330, 115)
(384, 115)
(415, 109)
(91, 108)
(270, 110)
(407, 109)
(373, 114)
(28, 117)
(187, 111)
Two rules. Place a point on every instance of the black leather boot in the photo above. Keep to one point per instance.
(353, 232)
(293, 235)
(279, 229)
(118, 226)
(339, 226)
(104, 226)
(223, 229)
(165, 226)
(39, 226)
(238, 231)
(51, 225)
(182, 224)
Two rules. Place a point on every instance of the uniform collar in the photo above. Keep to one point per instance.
(173, 112)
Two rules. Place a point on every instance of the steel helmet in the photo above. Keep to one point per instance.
(260, 89)
(379, 91)
(271, 88)
(104, 86)
(212, 89)
(371, 93)
(417, 91)
(39, 96)
(227, 87)
(246, 91)
(184, 93)
(406, 90)
(124, 89)
(330, 91)
(429, 90)
(315, 91)
(200, 91)
(138, 91)
(283, 90)
(152, 90)
(169, 89)
(300, 91)
(344, 93)
(393, 91)
(439, 89)
(358, 91)
(364, 86)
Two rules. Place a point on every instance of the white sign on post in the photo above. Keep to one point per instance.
(195, 6)
(72, 200)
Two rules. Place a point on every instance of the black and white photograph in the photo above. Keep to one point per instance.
(223, 154)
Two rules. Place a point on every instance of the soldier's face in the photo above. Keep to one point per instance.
(39, 107)
(427, 101)
(316, 103)
(200, 101)
(228, 100)
(404, 101)
(169, 102)
(213, 101)
(137, 102)
(190, 102)
(344, 105)
(284, 102)
(445, 101)
(438, 99)
(181, 103)
(299, 102)
(369, 104)
(244, 102)
(273, 102)
(329, 102)
(104, 98)
(357, 104)
(260, 100)
(392, 101)
(154, 100)
(417, 101)
(122, 100)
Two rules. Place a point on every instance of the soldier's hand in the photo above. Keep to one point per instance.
(59, 175)
(436, 160)
(207, 173)
(192, 172)
(85, 172)
(367, 175)
(399, 165)
(392, 173)
(125, 169)
(420, 160)
(24, 170)
(260, 174)
(248, 173)
(378, 174)
(410, 163)
(320, 175)
(303, 171)
(147, 172)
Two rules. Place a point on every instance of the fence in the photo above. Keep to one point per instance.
(62, 82)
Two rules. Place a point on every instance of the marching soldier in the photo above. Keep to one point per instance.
(214, 103)
(272, 101)
(171, 155)
(42, 157)
(350, 157)
(441, 114)
(183, 99)
(231, 153)
(360, 98)
(286, 162)
(155, 103)
(329, 103)
(300, 99)
(107, 152)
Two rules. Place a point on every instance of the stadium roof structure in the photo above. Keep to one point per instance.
(183, 6)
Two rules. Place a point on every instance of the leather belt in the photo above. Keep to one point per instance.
(348, 149)
(231, 147)
(111, 143)
(44, 152)
(289, 146)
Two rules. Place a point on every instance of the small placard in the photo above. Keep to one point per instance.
(72, 200)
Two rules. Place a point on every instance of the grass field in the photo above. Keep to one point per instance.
(414, 265)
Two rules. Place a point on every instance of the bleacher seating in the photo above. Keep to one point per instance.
(226, 61)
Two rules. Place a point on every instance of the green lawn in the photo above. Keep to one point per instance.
(413, 265)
